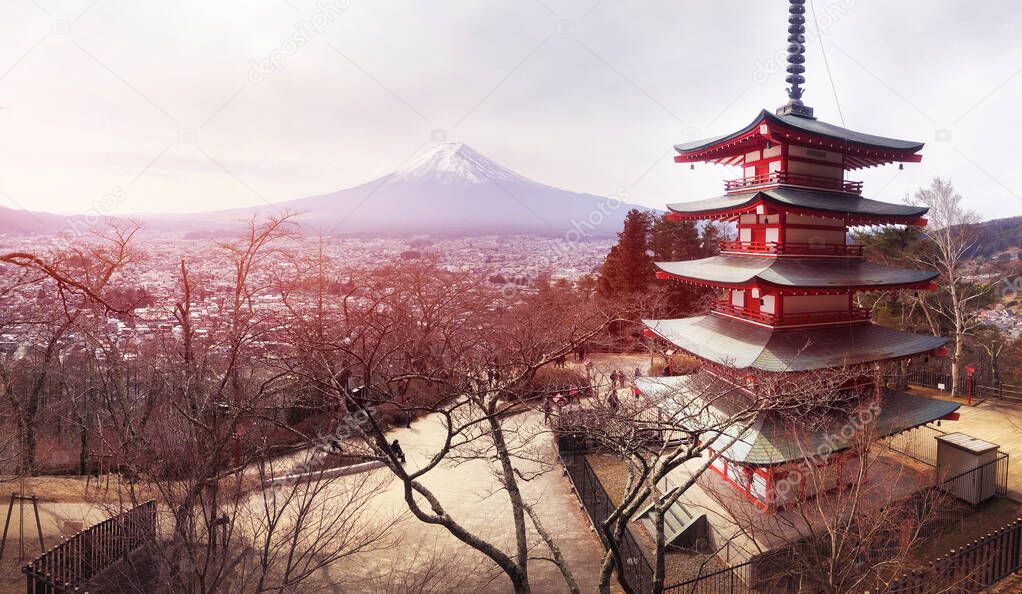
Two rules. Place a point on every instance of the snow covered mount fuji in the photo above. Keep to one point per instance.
(452, 189)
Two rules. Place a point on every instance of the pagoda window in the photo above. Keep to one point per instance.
(738, 298)
(767, 304)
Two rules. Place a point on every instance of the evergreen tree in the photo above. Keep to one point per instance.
(710, 239)
(674, 241)
(628, 268)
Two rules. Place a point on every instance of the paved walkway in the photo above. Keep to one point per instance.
(469, 493)
(998, 423)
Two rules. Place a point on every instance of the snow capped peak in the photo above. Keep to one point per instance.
(455, 162)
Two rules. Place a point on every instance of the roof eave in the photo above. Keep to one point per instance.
(697, 151)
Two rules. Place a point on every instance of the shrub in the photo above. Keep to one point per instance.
(550, 380)
(680, 365)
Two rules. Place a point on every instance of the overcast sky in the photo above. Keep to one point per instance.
(203, 104)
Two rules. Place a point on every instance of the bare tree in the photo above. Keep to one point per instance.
(80, 274)
(192, 418)
(674, 432)
(421, 341)
(849, 514)
(950, 236)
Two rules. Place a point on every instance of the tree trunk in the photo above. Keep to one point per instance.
(27, 437)
(956, 363)
(658, 573)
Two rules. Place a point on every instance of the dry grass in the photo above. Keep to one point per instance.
(11, 578)
(65, 489)
(939, 395)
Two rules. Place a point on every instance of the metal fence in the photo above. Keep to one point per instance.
(982, 386)
(920, 444)
(979, 483)
(69, 566)
(972, 568)
(730, 580)
(635, 566)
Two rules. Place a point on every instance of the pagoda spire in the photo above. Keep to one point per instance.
(796, 60)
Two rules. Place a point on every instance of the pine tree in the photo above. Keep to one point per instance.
(710, 239)
(628, 268)
(672, 241)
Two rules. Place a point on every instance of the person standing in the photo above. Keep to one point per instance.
(398, 452)
(613, 401)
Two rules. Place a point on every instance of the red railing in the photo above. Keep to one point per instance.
(856, 314)
(791, 249)
(785, 178)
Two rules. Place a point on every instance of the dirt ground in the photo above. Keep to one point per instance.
(66, 489)
(995, 514)
(11, 578)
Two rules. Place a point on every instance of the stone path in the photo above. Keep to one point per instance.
(468, 491)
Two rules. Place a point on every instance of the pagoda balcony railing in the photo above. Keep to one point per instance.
(791, 249)
(856, 314)
(785, 178)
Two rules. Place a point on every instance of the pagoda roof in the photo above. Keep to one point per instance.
(854, 208)
(770, 438)
(871, 149)
(734, 343)
(747, 271)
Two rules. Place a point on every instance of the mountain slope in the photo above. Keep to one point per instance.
(448, 189)
(24, 222)
(451, 188)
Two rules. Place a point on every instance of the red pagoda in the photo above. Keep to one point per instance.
(789, 280)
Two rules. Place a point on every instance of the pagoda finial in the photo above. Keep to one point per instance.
(796, 60)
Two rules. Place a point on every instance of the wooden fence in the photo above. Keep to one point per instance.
(72, 564)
